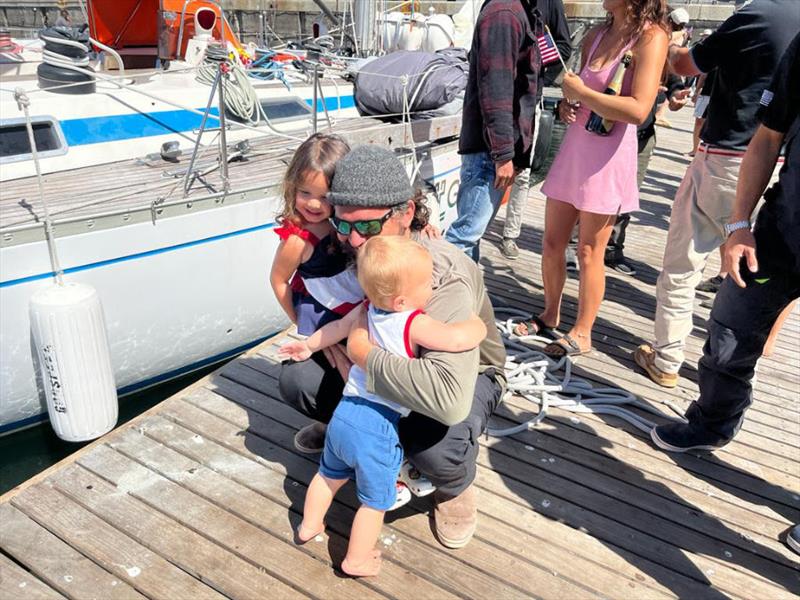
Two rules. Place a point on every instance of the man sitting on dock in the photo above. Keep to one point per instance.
(451, 395)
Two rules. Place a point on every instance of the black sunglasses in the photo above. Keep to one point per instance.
(366, 228)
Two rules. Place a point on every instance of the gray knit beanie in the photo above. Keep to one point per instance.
(370, 177)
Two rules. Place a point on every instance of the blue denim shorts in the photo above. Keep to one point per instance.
(362, 444)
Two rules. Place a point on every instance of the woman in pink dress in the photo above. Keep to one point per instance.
(593, 178)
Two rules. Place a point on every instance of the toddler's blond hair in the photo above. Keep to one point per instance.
(383, 263)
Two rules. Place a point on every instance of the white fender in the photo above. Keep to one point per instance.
(69, 335)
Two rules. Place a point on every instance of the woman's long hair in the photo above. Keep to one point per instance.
(641, 13)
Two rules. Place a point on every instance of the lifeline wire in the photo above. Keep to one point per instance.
(534, 376)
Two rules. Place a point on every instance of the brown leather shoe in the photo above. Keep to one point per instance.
(645, 357)
(311, 438)
(455, 518)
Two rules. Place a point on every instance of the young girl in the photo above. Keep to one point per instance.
(362, 440)
(312, 279)
(593, 178)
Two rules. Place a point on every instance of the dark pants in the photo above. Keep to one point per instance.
(445, 455)
(740, 323)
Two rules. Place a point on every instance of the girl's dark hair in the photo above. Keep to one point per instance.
(318, 154)
(422, 213)
(641, 13)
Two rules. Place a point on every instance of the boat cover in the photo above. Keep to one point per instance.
(435, 79)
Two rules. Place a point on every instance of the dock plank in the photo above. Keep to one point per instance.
(222, 570)
(150, 447)
(56, 563)
(239, 537)
(16, 582)
(144, 570)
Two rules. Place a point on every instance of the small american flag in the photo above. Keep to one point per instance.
(547, 48)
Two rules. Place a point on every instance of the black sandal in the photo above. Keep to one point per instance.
(557, 350)
(541, 329)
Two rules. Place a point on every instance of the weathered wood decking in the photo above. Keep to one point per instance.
(198, 497)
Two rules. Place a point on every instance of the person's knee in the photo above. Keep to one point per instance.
(451, 461)
(554, 245)
(290, 385)
(590, 255)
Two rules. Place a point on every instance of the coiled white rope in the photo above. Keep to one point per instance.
(535, 376)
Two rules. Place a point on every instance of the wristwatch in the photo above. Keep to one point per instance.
(731, 227)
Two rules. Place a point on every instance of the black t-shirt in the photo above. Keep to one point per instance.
(778, 224)
(745, 50)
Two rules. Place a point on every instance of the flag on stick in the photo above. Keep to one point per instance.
(548, 49)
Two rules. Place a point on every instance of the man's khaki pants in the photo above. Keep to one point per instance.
(703, 204)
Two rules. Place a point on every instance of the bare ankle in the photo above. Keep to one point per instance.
(363, 566)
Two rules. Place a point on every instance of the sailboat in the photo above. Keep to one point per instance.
(161, 149)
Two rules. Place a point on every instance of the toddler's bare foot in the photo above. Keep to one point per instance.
(368, 567)
(305, 533)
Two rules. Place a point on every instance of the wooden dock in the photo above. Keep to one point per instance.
(197, 498)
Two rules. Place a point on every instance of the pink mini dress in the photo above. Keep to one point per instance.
(596, 173)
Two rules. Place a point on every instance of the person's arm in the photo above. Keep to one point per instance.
(287, 258)
(439, 385)
(723, 47)
(447, 337)
(499, 34)
(778, 110)
(322, 338)
(756, 171)
(650, 53)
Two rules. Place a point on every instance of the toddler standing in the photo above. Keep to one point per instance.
(362, 440)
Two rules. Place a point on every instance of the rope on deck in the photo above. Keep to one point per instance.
(550, 383)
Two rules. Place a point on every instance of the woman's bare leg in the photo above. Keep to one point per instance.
(593, 233)
(560, 218)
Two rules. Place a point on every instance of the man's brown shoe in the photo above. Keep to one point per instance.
(455, 518)
(311, 438)
(645, 357)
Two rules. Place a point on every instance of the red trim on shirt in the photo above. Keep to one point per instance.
(406, 332)
(345, 308)
(288, 228)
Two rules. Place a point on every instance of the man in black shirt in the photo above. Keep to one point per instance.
(745, 51)
(764, 267)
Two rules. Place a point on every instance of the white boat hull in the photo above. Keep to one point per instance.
(179, 292)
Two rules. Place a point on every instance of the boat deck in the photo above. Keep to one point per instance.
(198, 497)
(128, 185)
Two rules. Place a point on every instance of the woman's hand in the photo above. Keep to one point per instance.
(573, 87)
(567, 111)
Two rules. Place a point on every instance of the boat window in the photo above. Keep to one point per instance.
(279, 109)
(15, 145)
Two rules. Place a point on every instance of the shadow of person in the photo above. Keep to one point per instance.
(568, 471)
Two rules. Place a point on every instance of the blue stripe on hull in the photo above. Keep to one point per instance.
(113, 128)
(111, 261)
(134, 387)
